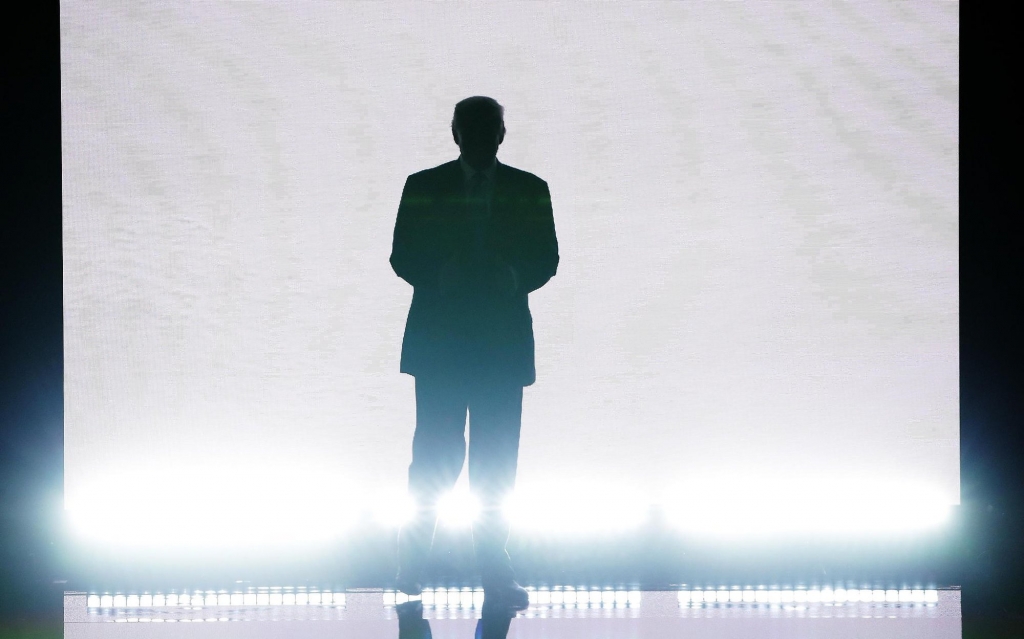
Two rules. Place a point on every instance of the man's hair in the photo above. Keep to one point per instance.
(478, 111)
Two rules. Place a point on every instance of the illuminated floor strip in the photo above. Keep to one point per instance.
(567, 596)
(750, 596)
(209, 598)
(556, 597)
(378, 611)
(434, 598)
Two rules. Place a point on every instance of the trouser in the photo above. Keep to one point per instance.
(438, 453)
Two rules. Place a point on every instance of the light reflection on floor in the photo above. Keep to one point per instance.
(593, 614)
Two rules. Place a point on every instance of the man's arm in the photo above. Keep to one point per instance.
(412, 249)
(539, 260)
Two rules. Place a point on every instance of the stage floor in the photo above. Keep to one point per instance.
(374, 614)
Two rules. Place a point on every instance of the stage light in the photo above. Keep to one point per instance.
(577, 508)
(279, 506)
(837, 507)
(279, 511)
(454, 597)
(813, 596)
(393, 509)
(458, 508)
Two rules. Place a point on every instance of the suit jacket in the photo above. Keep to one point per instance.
(481, 335)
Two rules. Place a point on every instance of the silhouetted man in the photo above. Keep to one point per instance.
(474, 237)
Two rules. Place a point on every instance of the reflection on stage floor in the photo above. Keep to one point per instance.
(557, 612)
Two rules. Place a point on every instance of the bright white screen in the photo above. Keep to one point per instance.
(756, 206)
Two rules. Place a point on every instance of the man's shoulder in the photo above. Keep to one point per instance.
(434, 171)
(521, 176)
(436, 174)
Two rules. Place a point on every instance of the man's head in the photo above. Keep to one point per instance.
(478, 127)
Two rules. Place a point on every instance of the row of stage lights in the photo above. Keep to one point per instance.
(729, 510)
(434, 597)
(567, 596)
(813, 596)
(209, 599)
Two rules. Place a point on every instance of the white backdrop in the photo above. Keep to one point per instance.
(756, 206)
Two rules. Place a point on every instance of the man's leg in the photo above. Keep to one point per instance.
(438, 453)
(495, 419)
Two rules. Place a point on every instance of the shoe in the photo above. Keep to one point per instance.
(408, 585)
(509, 595)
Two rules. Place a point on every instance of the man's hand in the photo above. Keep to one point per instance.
(461, 278)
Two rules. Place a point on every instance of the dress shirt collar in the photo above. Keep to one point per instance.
(468, 171)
